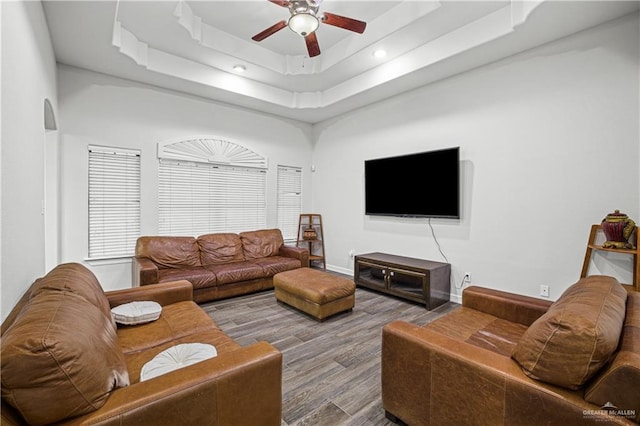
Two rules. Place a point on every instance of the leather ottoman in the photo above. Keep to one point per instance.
(314, 292)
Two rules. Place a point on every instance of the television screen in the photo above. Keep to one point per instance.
(425, 184)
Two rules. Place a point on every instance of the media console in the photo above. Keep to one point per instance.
(418, 280)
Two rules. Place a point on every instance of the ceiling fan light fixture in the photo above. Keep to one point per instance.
(303, 24)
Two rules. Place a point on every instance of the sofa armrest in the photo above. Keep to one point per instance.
(144, 271)
(300, 253)
(164, 293)
(508, 306)
(430, 378)
(241, 387)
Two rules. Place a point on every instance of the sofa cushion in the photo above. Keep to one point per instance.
(198, 277)
(212, 336)
(480, 329)
(576, 336)
(236, 271)
(176, 320)
(60, 358)
(220, 248)
(169, 252)
(74, 278)
(275, 264)
(263, 243)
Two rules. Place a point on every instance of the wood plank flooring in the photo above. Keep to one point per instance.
(331, 370)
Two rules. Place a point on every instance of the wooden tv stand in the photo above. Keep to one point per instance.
(418, 280)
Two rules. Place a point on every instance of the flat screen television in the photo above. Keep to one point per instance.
(425, 184)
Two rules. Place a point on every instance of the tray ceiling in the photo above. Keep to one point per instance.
(193, 46)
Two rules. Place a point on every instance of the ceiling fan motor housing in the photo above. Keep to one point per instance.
(303, 20)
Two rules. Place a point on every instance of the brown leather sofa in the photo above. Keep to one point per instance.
(505, 359)
(218, 265)
(65, 362)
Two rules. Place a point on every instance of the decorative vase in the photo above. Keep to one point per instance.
(617, 228)
(309, 234)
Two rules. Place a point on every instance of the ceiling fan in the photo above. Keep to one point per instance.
(305, 20)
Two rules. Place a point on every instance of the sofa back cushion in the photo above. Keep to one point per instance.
(618, 383)
(220, 248)
(169, 252)
(60, 356)
(576, 336)
(263, 243)
(74, 278)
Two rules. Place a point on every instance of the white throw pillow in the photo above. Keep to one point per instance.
(176, 357)
(136, 312)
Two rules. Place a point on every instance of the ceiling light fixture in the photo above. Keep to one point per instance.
(379, 53)
(239, 68)
(303, 23)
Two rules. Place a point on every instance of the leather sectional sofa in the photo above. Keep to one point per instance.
(64, 360)
(506, 359)
(218, 265)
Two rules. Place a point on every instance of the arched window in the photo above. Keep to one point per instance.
(210, 185)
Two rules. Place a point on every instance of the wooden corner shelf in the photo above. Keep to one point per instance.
(634, 252)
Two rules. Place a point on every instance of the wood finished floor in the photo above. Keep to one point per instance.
(331, 370)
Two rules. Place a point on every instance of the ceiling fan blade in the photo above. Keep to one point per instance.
(283, 3)
(312, 45)
(344, 22)
(269, 31)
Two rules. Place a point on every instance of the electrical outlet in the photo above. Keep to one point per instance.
(544, 290)
(351, 254)
(467, 277)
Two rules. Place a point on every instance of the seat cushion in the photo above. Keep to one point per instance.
(220, 248)
(176, 320)
(60, 358)
(169, 252)
(263, 243)
(236, 272)
(577, 335)
(198, 277)
(275, 264)
(212, 336)
(480, 329)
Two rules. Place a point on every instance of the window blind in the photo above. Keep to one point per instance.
(198, 198)
(289, 201)
(114, 202)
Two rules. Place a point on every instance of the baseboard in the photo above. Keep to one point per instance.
(340, 270)
(456, 298)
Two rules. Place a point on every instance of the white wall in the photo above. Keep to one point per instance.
(549, 145)
(28, 78)
(102, 110)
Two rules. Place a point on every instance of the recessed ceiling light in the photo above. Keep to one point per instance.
(239, 68)
(379, 53)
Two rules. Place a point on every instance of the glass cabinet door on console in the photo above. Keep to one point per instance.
(371, 274)
(410, 282)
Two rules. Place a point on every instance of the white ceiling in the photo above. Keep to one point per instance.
(192, 46)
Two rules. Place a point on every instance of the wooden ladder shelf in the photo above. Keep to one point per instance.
(311, 236)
